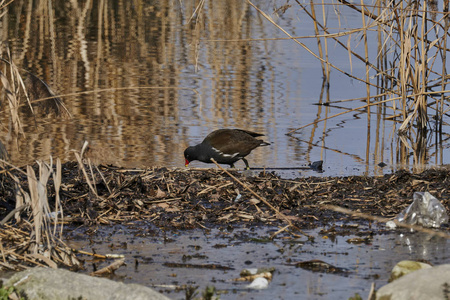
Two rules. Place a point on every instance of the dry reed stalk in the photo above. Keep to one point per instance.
(36, 206)
(412, 52)
(16, 77)
(103, 178)
(92, 176)
(446, 28)
(22, 198)
(13, 104)
(366, 52)
(57, 180)
(319, 44)
(39, 203)
(90, 179)
(79, 158)
(4, 4)
(422, 76)
(15, 211)
(347, 46)
(382, 81)
(364, 12)
(109, 269)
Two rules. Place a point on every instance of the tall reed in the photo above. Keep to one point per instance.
(406, 78)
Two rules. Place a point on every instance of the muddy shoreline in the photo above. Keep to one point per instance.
(180, 199)
(190, 198)
(193, 198)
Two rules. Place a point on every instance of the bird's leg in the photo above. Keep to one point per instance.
(247, 167)
(232, 166)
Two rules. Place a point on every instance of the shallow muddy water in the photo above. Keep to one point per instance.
(151, 256)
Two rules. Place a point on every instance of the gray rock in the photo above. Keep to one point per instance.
(405, 267)
(49, 284)
(431, 284)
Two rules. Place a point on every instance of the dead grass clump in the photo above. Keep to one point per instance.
(29, 234)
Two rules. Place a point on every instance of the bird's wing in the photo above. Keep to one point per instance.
(228, 143)
(254, 134)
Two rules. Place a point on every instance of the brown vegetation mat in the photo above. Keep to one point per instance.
(175, 199)
(190, 198)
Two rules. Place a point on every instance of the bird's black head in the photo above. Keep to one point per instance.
(189, 155)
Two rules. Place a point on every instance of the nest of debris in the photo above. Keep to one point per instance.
(180, 199)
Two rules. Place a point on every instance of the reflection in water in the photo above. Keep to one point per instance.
(37, 90)
(145, 79)
(422, 246)
(150, 50)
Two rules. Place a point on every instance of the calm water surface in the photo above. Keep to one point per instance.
(364, 264)
(157, 80)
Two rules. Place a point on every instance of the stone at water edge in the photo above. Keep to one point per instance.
(430, 283)
(405, 267)
(51, 284)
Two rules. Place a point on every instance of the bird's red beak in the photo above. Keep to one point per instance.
(186, 163)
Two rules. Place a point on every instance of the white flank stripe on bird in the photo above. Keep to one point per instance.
(229, 155)
(217, 150)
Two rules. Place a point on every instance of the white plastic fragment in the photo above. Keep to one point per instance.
(391, 225)
(259, 284)
(237, 198)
